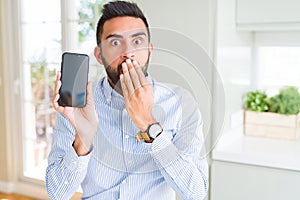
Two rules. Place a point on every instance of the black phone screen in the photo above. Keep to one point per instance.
(74, 78)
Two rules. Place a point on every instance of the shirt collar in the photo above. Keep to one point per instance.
(109, 92)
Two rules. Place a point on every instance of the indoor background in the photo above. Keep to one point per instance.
(247, 45)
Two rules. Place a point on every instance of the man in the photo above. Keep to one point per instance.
(135, 138)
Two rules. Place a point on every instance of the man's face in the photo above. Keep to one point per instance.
(124, 38)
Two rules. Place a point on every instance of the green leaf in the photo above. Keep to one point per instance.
(286, 102)
(256, 101)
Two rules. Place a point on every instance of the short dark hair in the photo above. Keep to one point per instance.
(119, 9)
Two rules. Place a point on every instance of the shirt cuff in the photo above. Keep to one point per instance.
(75, 162)
(163, 150)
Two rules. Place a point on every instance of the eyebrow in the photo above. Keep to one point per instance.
(114, 35)
(138, 34)
(121, 36)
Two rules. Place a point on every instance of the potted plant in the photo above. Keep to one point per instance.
(274, 117)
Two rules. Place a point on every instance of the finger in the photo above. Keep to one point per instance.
(133, 75)
(90, 94)
(127, 80)
(148, 81)
(124, 88)
(143, 80)
(129, 64)
(56, 95)
(57, 82)
(55, 104)
(56, 91)
(58, 75)
(124, 68)
(55, 101)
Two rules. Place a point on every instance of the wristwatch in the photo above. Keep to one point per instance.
(152, 132)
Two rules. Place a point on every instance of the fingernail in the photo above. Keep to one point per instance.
(134, 62)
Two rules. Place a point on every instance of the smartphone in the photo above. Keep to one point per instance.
(74, 79)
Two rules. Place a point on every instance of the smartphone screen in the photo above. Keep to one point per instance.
(74, 78)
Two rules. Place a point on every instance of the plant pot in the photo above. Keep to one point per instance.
(271, 125)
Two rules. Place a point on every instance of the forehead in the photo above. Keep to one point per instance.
(122, 25)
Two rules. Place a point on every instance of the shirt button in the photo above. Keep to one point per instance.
(130, 162)
(108, 100)
(126, 136)
(124, 181)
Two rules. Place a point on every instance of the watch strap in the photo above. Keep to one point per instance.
(144, 135)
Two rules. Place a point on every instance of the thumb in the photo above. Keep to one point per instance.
(90, 94)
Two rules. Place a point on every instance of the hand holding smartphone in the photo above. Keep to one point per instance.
(74, 79)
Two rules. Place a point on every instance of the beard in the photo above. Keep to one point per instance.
(114, 74)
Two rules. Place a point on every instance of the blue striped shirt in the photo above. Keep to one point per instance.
(119, 167)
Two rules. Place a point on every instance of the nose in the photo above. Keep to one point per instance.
(128, 55)
(128, 52)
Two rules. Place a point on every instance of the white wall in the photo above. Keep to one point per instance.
(233, 59)
(190, 17)
(268, 15)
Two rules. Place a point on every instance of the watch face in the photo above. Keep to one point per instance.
(155, 130)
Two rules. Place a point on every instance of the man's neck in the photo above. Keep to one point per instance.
(115, 87)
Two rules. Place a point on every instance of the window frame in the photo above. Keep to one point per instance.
(14, 100)
(14, 110)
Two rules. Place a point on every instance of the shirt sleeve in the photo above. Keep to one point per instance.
(180, 156)
(66, 170)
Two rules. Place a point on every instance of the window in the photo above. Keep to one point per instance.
(48, 28)
(277, 56)
(279, 66)
(265, 60)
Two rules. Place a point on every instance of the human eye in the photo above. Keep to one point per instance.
(138, 41)
(115, 43)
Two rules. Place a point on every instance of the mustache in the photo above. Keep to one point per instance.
(119, 68)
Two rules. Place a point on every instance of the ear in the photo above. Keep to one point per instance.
(97, 54)
(150, 49)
